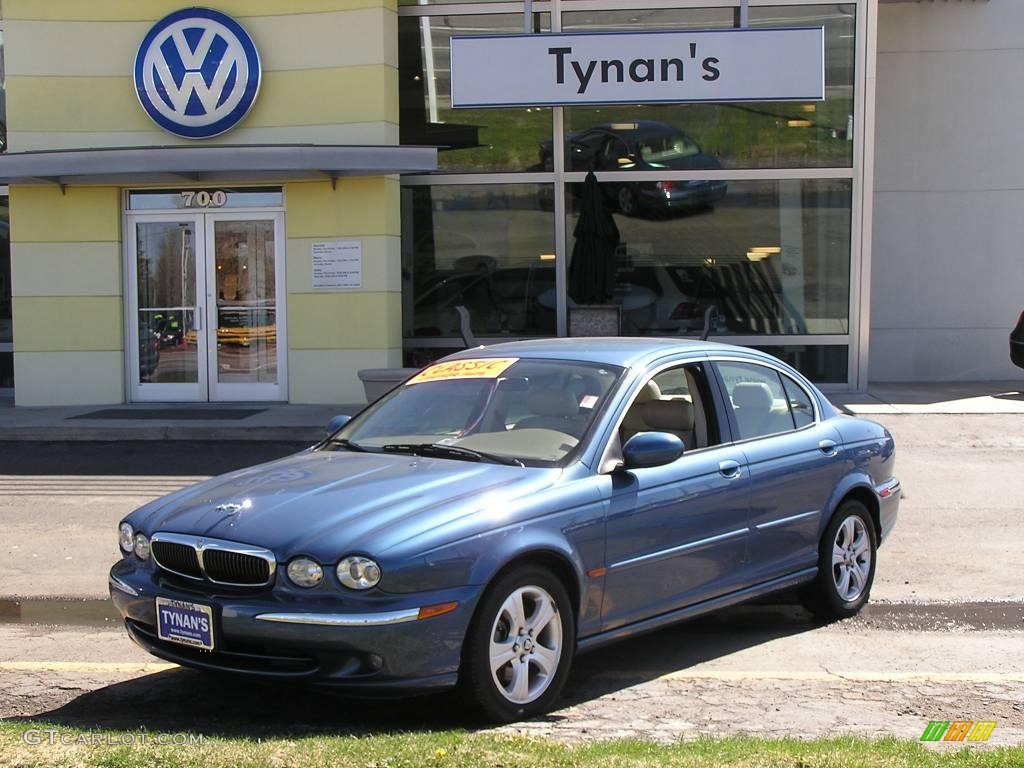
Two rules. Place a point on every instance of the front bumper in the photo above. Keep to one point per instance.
(357, 643)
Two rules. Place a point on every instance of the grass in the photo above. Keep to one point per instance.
(460, 749)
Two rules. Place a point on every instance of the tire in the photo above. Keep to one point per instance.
(847, 556)
(529, 682)
(626, 201)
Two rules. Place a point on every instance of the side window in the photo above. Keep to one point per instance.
(677, 401)
(799, 402)
(758, 400)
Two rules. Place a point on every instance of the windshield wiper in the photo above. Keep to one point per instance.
(450, 452)
(344, 442)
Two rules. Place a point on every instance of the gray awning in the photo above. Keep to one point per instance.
(220, 163)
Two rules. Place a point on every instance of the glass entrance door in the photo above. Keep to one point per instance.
(166, 335)
(205, 298)
(245, 359)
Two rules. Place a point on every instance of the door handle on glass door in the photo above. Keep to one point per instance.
(729, 468)
(199, 319)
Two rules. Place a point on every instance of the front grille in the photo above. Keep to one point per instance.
(235, 567)
(222, 562)
(178, 558)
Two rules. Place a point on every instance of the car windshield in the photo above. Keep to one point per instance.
(504, 410)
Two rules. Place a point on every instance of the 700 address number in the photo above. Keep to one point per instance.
(203, 199)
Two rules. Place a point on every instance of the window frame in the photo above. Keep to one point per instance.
(559, 174)
(611, 453)
(779, 371)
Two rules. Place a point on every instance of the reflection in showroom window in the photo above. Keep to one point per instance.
(468, 140)
(489, 248)
(727, 135)
(772, 256)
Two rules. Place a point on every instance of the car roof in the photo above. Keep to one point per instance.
(610, 350)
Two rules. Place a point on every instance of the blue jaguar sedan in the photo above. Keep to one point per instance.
(509, 507)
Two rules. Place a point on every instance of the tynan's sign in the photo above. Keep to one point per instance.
(638, 67)
(197, 73)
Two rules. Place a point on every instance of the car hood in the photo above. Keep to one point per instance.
(322, 502)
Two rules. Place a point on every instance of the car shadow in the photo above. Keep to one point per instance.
(181, 699)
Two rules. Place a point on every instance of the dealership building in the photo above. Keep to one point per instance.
(255, 200)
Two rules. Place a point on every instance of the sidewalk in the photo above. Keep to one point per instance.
(283, 421)
(171, 421)
(958, 398)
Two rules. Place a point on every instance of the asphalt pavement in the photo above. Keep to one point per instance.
(942, 639)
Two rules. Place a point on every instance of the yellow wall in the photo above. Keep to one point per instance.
(67, 303)
(329, 76)
(330, 72)
(334, 333)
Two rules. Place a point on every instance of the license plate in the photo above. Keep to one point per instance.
(185, 623)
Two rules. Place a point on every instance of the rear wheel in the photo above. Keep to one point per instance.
(626, 200)
(519, 646)
(846, 564)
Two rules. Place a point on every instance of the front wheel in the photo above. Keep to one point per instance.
(846, 564)
(519, 646)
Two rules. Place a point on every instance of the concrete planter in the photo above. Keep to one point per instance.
(377, 382)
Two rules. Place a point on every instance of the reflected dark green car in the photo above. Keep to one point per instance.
(643, 145)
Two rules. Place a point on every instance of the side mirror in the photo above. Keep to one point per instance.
(651, 449)
(337, 423)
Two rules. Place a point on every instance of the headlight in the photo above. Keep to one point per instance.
(305, 572)
(127, 537)
(141, 546)
(357, 572)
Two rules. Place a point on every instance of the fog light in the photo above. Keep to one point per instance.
(305, 572)
(357, 572)
(141, 546)
(127, 536)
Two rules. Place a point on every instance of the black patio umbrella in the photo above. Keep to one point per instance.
(592, 269)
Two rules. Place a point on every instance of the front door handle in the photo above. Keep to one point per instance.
(198, 319)
(828, 447)
(729, 469)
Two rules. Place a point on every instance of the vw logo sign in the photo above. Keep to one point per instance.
(197, 73)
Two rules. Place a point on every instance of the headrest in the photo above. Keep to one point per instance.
(670, 415)
(650, 391)
(552, 402)
(755, 395)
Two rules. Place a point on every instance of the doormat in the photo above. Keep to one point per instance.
(172, 414)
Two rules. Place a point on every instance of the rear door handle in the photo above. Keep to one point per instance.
(828, 447)
(729, 468)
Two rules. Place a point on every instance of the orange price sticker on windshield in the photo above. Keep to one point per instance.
(482, 368)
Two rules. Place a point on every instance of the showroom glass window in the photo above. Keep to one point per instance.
(752, 209)
(6, 325)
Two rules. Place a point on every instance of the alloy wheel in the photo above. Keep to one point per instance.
(526, 644)
(851, 558)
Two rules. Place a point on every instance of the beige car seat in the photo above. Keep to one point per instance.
(672, 416)
(752, 402)
(634, 420)
(553, 409)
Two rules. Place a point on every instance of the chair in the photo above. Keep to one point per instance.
(466, 328)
